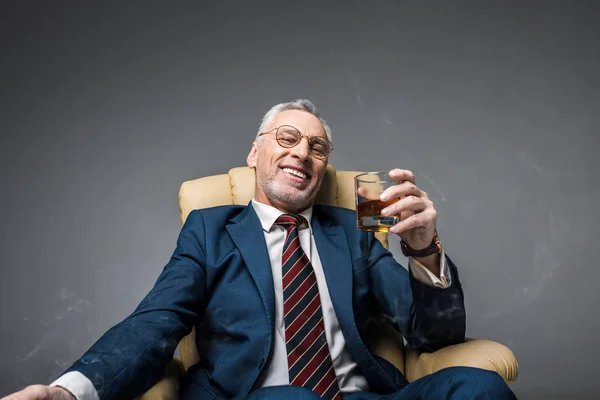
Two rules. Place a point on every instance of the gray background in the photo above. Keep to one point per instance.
(106, 108)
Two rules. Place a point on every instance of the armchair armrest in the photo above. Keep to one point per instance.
(477, 353)
(168, 387)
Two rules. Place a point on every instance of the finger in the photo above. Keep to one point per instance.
(409, 203)
(398, 174)
(406, 188)
(422, 219)
(367, 193)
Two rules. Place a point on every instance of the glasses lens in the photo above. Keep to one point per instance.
(288, 136)
(319, 147)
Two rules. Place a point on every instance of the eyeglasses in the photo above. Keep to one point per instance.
(287, 136)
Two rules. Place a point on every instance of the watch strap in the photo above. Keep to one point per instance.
(434, 247)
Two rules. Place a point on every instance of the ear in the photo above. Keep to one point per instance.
(251, 159)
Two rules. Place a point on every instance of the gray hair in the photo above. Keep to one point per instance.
(298, 104)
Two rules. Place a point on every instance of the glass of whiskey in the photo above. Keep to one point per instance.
(368, 187)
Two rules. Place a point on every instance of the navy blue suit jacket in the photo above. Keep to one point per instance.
(219, 280)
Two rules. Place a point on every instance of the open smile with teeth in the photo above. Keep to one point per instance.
(295, 173)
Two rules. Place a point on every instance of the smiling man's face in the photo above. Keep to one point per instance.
(288, 179)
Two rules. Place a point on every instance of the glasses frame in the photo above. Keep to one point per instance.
(309, 138)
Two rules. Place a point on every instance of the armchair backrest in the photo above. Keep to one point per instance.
(237, 187)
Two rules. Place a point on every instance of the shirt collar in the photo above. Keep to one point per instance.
(267, 215)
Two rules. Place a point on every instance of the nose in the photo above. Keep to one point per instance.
(302, 149)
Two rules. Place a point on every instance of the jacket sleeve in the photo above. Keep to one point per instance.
(131, 356)
(428, 317)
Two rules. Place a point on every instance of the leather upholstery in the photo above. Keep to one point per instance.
(477, 353)
(237, 187)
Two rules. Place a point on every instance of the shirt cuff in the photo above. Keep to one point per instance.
(78, 384)
(424, 275)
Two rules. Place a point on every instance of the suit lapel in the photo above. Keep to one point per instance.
(247, 234)
(337, 266)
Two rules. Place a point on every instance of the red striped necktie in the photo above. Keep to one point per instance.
(309, 361)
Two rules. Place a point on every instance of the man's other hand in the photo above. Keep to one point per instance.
(41, 392)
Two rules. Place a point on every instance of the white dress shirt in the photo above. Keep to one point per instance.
(276, 371)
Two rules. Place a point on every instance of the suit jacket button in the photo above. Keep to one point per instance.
(262, 362)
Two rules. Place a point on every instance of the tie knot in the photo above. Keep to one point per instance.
(290, 219)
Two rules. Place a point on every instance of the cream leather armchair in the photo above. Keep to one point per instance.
(237, 187)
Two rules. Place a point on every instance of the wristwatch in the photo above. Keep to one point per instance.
(434, 247)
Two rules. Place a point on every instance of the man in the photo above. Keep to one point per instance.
(281, 292)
